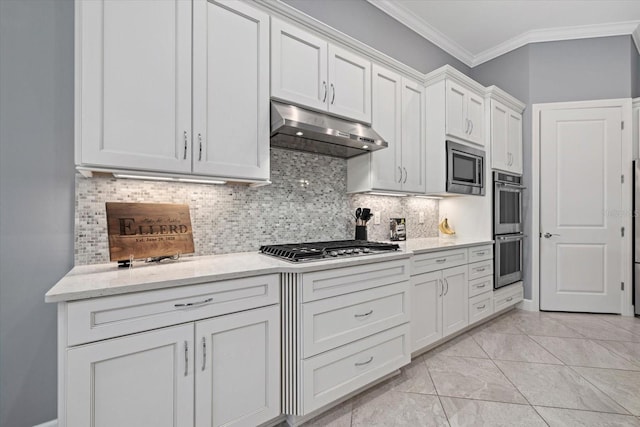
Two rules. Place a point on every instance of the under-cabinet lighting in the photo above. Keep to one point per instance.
(299, 133)
(429, 197)
(374, 193)
(168, 178)
(365, 147)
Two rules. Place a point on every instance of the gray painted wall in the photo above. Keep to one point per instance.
(36, 190)
(635, 70)
(573, 70)
(364, 22)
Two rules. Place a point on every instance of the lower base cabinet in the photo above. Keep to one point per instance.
(223, 371)
(438, 305)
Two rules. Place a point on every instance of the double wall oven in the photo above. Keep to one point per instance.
(507, 228)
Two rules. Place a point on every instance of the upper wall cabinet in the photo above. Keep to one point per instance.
(398, 116)
(464, 113)
(134, 87)
(308, 71)
(505, 117)
(230, 90)
(133, 84)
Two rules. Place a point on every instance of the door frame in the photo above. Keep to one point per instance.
(626, 302)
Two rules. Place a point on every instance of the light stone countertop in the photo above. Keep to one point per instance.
(92, 281)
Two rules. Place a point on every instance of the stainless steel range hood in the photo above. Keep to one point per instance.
(296, 128)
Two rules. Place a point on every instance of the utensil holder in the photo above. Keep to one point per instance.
(361, 232)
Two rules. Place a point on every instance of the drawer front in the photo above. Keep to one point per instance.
(480, 253)
(426, 263)
(332, 322)
(108, 317)
(336, 373)
(481, 285)
(507, 299)
(339, 281)
(480, 307)
(480, 269)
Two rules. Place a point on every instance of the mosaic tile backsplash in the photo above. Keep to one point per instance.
(306, 201)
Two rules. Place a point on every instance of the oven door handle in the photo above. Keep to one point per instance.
(508, 184)
(510, 238)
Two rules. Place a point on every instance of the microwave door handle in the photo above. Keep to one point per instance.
(480, 179)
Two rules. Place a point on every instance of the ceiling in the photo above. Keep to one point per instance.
(476, 31)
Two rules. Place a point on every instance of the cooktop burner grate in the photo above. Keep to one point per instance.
(297, 252)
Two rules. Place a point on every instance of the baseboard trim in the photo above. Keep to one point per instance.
(527, 305)
(52, 423)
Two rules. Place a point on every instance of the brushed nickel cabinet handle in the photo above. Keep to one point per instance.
(441, 287)
(185, 145)
(480, 307)
(481, 286)
(478, 269)
(369, 313)
(405, 175)
(193, 304)
(480, 253)
(471, 130)
(509, 299)
(400, 170)
(441, 260)
(333, 89)
(204, 353)
(186, 358)
(200, 151)
(324, 86)
(364, 363)
(446, 283)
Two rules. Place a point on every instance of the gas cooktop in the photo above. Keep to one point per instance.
(313, 251)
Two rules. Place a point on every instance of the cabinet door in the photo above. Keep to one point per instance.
(133, 84)
(413, 137)
(456, 113)
(426, 309)
(455, 313)
(499, 136)
(238, 368)
(231, 90)
(298, 66)
(386, 165)
(349, 85)
(475, 115)
(142, 380)
(515, 141)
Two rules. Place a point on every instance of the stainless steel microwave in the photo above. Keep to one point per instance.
(465, 169)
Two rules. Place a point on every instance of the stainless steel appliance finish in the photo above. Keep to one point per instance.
(465, 169)
(300, 129)
(636, 236)
(314, 251)
(508, 259)
(507, 203)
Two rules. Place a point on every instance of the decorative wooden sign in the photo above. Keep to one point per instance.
(143, 230)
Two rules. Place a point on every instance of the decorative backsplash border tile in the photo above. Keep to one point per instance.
(307, 201)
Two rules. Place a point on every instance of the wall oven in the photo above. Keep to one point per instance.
(465, 169)
(507, 228)
(508, 259)
(507, 200)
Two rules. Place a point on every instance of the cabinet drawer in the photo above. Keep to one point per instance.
(101, 318)
(480, 307)
(480, 269)
(480, 253)
(425, 263)
(507, 297)
(481, 285)
(339, 281)
(336, 321)
(334, 374)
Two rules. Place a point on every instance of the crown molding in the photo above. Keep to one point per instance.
(400, 13)
(494, 92)
(409, 19)
(559, 34)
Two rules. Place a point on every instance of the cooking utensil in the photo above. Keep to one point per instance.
(365, 214)
(358, 215)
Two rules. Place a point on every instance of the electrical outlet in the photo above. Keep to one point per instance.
(421, 218)
(376, 218)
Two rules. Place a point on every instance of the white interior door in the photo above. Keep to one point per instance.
(580, 191)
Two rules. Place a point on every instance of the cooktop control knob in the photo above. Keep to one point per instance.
(356, 251)
(349, 251)
(341, 252)
(365, 250)
(333, 253)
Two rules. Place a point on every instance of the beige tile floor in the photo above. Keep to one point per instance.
(521, 369)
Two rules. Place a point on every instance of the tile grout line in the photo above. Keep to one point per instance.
(598, 388)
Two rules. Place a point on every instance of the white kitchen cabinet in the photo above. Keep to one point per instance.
(464, 113)
(230, 90)
(158, 92)
(308, 71)
(455, 313)
(163, 360)
(426, 309)
(133, 84)
(506, 138)
(141, 380)
(238, 368)
(398, 116)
